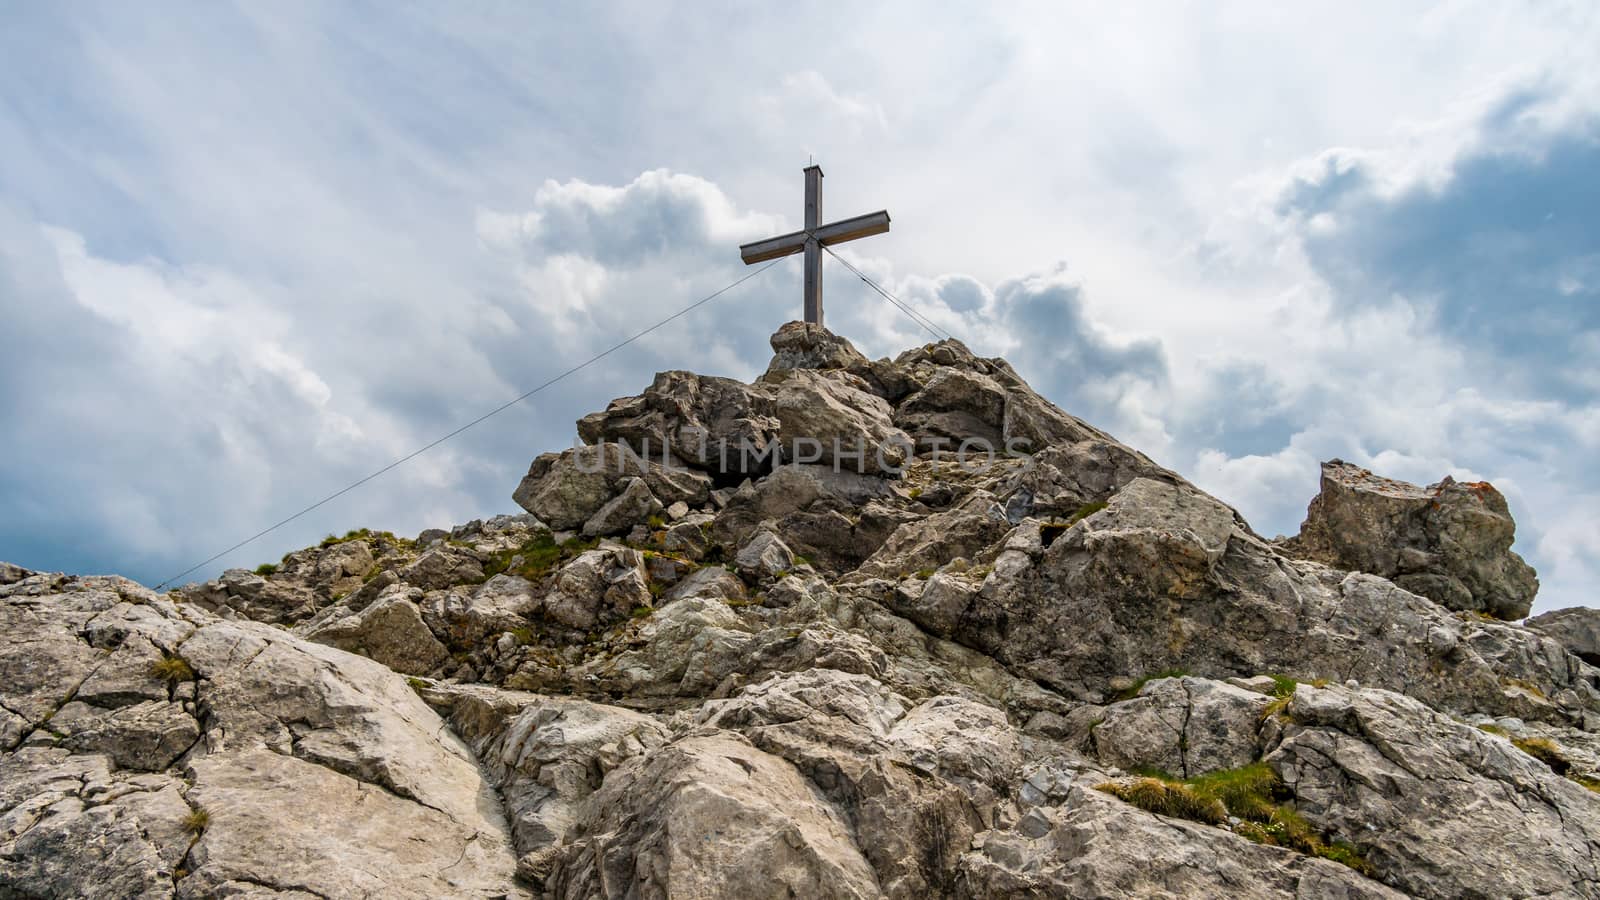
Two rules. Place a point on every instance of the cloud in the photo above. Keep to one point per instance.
(808, 95)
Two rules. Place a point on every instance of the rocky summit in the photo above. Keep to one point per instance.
(861, 628)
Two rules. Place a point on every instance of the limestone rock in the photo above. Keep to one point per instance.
(317, 771)
(711, 817)
(1577, 629)
(903, 682)
(547, 754)
(599, 585)
(390, 631)
(764, 556)
(467, 616)
(565, 489)
(441, 567)
(839, 423)
(1380, 770)
(800, 345)
(1450, 542)
(621, 513)
(1185, 726)
(1092, 845)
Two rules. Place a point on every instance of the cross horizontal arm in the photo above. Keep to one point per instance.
(772, 248)
(850, 229)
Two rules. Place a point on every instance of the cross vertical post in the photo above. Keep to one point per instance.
(811, 241)
(813, 277)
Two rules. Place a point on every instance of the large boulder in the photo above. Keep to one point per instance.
(801, 345)
(1184, 726)
(711, 816)
(718, 425)
(1438, 808)
(565, 489)
(1576, 628)
(546, 754)
(390, 631)
(211, 757)
(1166, 578)
(1088, 844)
(1449, 542)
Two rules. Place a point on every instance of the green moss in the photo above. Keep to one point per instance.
(1283, 685)
(925, 574)
(640, 612)
(1085, 511)
(1545, 751)
(1253, 794)
(1587, 781)
(416, 684)
(172, 669)
(523, 635)
(914, 493)
(1494, 729)
(535, 558)
(1278, 707)
(266, 569)
(656, 522)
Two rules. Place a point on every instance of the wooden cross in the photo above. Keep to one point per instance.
(812, 239)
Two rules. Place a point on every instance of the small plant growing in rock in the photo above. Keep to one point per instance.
(172, 669)
(197, 821)
(1545, 751)
(639, 612)
(1138, 685)
(266, 569)
(1085, 511)
(1252, 794)
(1167, 798)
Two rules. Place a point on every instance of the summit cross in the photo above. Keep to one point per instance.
(812, 239)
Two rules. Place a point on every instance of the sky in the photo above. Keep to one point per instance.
(250, 253)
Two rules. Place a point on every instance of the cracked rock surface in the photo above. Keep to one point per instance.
(1064, 671)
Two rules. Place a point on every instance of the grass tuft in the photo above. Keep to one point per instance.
(1545, 751)
(535, 558)
(266, 569)
(1085, 511)
(197, 821)
(1253, 794)
(172, 670)
(1169, 798)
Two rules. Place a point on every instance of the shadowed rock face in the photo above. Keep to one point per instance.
(1577, 629)
(1449, 542)
(677, 676)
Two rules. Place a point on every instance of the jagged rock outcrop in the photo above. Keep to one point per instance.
(1008, 656)
(1449, 542)
(154, 750)
(1576, 628)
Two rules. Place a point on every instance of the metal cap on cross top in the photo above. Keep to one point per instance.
(812, 239)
